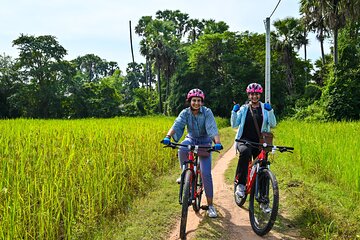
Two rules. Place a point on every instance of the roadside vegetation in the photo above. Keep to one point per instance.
(318, 183)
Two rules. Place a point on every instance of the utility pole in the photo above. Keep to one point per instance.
(267, 60)
(132, 51)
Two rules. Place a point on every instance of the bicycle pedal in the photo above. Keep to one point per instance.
(204, 207)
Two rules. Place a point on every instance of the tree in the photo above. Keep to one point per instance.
(158, 46)
(313, 19)
(9, 84)
(41, 67)
(93, 67)
(287, 35)
(336, 14)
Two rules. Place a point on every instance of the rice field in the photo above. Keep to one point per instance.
(326, 150)
(59, 178)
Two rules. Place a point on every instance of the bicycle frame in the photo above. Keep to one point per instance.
(254, 167)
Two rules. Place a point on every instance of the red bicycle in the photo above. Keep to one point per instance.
(263, 189)
(191, 186)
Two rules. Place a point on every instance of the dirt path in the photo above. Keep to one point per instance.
(234, 220)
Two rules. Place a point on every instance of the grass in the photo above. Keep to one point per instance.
(319, 209)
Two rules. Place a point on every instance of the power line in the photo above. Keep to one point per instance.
(275, 8)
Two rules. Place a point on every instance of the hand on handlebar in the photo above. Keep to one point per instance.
(166, 141)
(218, 146)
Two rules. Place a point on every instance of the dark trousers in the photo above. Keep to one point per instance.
(246, 152)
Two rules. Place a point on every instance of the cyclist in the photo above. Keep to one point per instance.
(243, 118)
(202, 129)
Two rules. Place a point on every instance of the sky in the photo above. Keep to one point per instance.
(101, 27)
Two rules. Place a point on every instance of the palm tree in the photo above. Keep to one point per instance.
(288, 34)
(195, 29)
(336, 14)
(313, 19)
(160, 40)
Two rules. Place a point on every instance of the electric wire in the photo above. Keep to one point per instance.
(275, 8)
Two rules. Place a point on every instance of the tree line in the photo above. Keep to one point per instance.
(183, 53)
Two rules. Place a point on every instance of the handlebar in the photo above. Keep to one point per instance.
(190, 147)
(267, 146)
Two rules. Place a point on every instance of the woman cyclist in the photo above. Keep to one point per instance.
(202, 129)
(244, 117)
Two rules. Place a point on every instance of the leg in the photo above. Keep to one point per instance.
(208, 184)
(206, 176)
(243, 162)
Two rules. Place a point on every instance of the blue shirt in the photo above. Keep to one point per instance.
(201, 125)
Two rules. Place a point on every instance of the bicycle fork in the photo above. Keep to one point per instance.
(261, 187)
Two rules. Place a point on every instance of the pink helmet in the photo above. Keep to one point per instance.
(254, 88)
(195, 93)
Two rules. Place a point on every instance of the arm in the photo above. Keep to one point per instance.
(177, 129)
(272, 119)
(170, 133)
(217, 139)
(236, 117)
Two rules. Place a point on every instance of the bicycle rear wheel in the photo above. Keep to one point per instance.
(185, 203)
(264, 202)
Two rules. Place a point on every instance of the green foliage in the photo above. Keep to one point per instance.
(313, 112)
(144, 102)
(342, 93)
(320, 177)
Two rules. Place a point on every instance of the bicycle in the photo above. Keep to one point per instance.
(263, 189)
(191, 186)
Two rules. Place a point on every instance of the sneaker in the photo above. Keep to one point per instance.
(212, 212)
(265, 208)
(240, 191)
(178, 180)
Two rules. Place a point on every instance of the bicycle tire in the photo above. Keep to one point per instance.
(199, 191)
(185, 204)
(263, 217)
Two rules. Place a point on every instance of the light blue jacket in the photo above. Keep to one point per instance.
(238, 119)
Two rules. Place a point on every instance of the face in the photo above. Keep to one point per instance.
(196, 103)
(254, 97)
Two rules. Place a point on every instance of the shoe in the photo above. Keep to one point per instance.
(178, 180)
(212, 212)
(240, 191)
(265, 208)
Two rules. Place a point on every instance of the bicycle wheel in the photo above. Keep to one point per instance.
(264, 202)
(199, 191)
(185, 203)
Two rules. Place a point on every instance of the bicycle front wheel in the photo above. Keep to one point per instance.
(186, 198)
(264, 202)
(198, 193)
